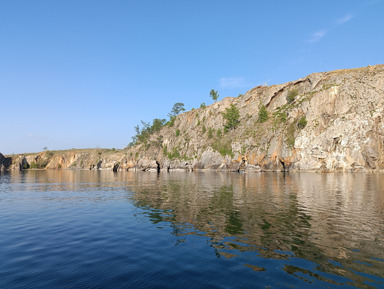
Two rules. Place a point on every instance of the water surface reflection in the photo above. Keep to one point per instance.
(334, 221)
(322, 229)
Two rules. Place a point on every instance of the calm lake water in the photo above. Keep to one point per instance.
(87, 229)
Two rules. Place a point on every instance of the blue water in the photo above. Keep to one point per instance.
(86, 229)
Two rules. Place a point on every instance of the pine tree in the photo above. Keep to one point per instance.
(214, 94)
(232, 117)
(263, 114)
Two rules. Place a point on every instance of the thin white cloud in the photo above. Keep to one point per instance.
(315, 37)
(232, 82)
(344, 19)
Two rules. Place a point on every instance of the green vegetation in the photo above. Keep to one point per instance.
(33, 165)
(292, 95)
(291, 130)
(174, 154)
(232, 116)
(171, 121)
(290, 137)
(280, 117)
(176, 109)
(147, 133)
(302, 122)
(143, 134)
(263, 114)
(214, 94)
(204, 129)
(224, 148)
(328, 86)
(37, 165)
(210, 132)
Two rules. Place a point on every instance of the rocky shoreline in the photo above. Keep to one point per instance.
(326, 122)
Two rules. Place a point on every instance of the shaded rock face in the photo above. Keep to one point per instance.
(5, 163)
(331, 121)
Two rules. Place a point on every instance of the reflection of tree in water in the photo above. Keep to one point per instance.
(269, 224)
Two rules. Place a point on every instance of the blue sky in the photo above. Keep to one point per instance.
(83, 73)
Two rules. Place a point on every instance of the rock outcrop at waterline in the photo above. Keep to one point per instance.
(5, 163)
(331, 121)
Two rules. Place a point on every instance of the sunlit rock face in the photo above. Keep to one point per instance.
(330, 121)
(333, 122)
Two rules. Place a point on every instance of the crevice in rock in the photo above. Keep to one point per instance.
(115, 167)
(284, 88)
(157, 166)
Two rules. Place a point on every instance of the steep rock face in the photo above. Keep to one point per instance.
(331, 121)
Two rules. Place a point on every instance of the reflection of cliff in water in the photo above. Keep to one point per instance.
(317, 217)
(311, 225)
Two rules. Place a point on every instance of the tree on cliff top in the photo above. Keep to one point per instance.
(143, 133)
(214, 94)
(177, 108)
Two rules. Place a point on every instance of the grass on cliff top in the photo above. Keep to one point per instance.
(102, 150)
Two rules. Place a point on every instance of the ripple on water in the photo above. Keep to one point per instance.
(98, 229)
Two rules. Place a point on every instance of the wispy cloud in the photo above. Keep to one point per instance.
(344, 19)
(232, 82)
(315, 37)
(318, 35)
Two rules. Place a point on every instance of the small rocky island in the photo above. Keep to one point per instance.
(326, 122)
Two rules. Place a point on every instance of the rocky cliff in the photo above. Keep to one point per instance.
(331, 121)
